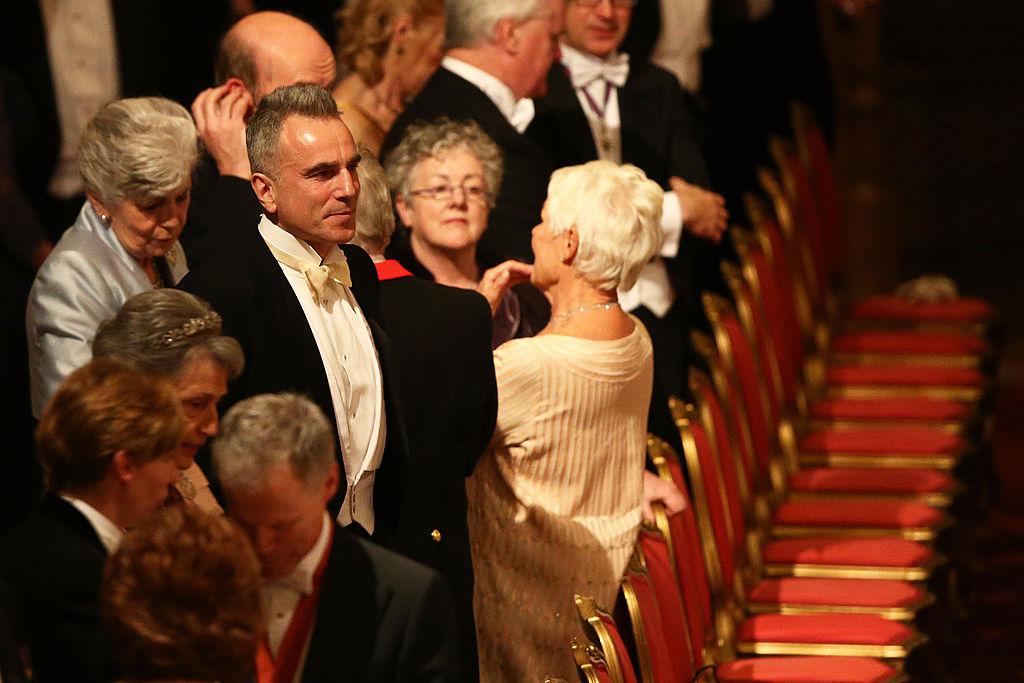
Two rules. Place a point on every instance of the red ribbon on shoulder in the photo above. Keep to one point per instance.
(283, 667)
(391, 270)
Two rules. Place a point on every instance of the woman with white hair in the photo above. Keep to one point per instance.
(136, 157)
(555, 503)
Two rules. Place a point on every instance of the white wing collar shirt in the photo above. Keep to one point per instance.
(518, 112)
(349, 357)
(597, 82)
(108, 532)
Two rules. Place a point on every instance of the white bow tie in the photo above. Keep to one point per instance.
(320, 276)
(615, 70)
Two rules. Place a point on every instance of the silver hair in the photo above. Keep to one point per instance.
(375, 217)
(263, 432)
(162, 330)
(616, 211)
(139, 148)
(436, 139)
(470, 23)
(263, 132)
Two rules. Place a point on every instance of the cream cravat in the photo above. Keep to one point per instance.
(320, 276)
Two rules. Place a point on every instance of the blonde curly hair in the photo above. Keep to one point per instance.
(364, 32)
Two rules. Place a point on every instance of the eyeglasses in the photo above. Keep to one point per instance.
(442, 193)
(618, 4)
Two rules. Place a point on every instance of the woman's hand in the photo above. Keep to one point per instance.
(657, 490)
(497, 280)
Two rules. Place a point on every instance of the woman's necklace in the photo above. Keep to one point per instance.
(563, 317)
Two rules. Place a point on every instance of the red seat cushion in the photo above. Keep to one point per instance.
(870, 480)
(874, 514)
(890, 307)
(922, 440)
(850, 552)
(840, 629)
(805, 670)
(910, 408)
(840, 592)
(909, 342)
(912, 375)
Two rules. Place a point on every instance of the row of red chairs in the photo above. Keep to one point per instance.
(833, 461)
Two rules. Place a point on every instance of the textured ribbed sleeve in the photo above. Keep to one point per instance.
(555, 503)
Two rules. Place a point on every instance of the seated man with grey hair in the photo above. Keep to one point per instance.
(337, 607)
(303, 304)
(445, 370)
(499, 52)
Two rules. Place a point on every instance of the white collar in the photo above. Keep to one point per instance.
(110, 535)
(301, 578)
(518, 112)
(284, 241)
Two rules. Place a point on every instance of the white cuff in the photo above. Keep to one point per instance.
(671, 224)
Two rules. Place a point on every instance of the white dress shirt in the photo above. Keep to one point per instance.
(109, 533)
(349, 357)
(685, 34)
(281, 596)
(518, 112)
(653, 288)
(83, 65)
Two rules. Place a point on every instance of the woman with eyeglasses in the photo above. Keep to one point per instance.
(443, 176)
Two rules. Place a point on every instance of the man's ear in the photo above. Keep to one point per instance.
(263, 186)
(570, 244)
(505, 35)
(123, 465)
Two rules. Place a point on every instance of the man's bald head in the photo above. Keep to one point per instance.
(267, 50)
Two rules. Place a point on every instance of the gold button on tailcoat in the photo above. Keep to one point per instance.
(436, 535)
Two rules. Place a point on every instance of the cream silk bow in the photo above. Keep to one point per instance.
(320, 276)
(615, 70)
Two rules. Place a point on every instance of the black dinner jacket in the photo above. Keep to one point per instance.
(441, 338)
(53, 563)
(380, 618)
(243, 282)
(527, 165)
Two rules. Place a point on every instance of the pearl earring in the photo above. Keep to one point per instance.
(105, 218)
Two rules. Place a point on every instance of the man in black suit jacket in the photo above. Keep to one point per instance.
(53, 560)
(292, 330)
(601, 104)
(488, 75)
(368, 614)
(441, 337)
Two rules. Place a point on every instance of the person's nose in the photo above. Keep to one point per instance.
(210, 422)
(345, 187)
(605, 9)
(459, 198)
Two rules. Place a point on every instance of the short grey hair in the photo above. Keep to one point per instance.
(162, 330)
(263, 132)
(435, 139)
(470, 23)
(375, 217)
(616, 211)
(140, 148)
(263, 432)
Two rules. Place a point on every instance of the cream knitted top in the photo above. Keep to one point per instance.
(554, 505)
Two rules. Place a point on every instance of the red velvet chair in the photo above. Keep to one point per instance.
(602, 630)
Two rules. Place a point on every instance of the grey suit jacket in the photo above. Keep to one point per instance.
(83, 282)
